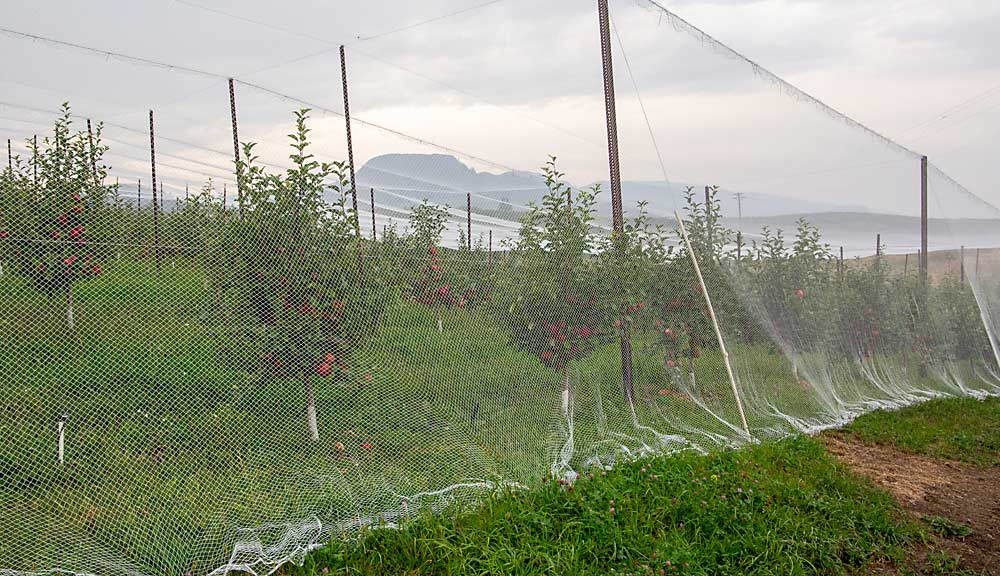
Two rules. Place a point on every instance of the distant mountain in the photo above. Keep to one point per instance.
(663, 200)
(444, 179)
(858, 232)
(402, 180)
(441, 178)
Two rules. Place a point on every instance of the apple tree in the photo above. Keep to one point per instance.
(554, 307)
(295, 297)
(54, 212)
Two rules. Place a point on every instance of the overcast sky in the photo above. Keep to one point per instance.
(509, 82)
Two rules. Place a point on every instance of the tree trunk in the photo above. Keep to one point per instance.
(61, 441)
(565, 392)
(311, 410)
(440, 325)
(69, 307)
(627, 386)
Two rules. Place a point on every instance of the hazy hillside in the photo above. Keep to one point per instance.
(444, 179)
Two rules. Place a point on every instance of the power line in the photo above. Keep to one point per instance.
(683, 25)
(112, 54)
(414, 139)
(957, 122)
(427, 21)
(958, 107)
(638, 96)
(335, 46)
(203, 73)
(138, 131)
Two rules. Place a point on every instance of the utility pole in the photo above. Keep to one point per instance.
(739, 203)
(468, 220)
(617, 219)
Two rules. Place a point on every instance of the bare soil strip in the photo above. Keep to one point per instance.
(936, 487)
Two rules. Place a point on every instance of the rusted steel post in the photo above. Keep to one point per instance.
(923, 219)
(93, 153)
(615, 176)
(156, 210)
(236, 146)
(350, 144)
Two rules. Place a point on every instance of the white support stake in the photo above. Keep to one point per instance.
(715, 325)
(61, 427)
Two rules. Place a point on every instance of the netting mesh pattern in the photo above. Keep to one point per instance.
(225, 386)
(200, 378)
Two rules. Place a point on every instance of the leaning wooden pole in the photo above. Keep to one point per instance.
(715, 324)
(350, 143)
(236, 146)
(156, 210)
(617, 219)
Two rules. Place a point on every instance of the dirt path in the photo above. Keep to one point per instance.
(936, 487)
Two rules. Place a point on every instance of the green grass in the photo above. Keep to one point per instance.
(961, 429)
(778, 508)
(170, 450)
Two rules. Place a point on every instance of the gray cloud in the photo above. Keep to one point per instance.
(517, 80)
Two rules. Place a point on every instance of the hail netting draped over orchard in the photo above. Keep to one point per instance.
(244, 366)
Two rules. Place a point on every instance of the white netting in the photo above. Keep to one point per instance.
(250, 367)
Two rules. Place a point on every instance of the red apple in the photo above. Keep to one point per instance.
(324, 369)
